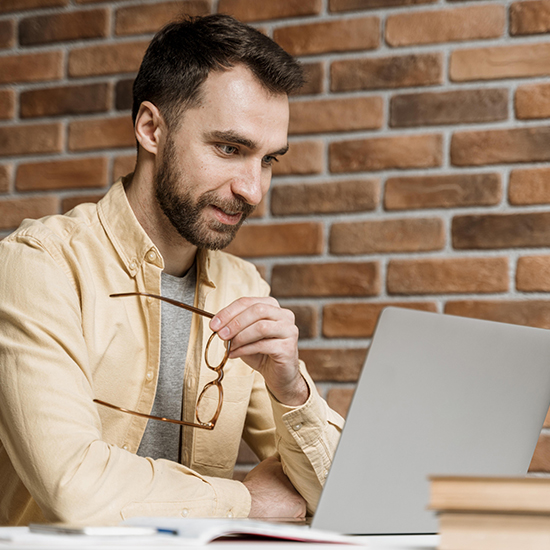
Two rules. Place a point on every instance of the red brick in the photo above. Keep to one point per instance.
(448, 25)
(332, 36)
(95, 1)
(7, 33)
(60, 27)
(303, 157)
(442, 191)
(533, 101)
(68, 203)
(541, 456)
(150, 18)
(403, 235)
(105, 59)
(252, 10)
(352, 5)
(533, 313)
(334, 365)
(293, 239)
(14, 211)
(447, 275)
(306, 319)
(62, 174)
(488, 231)
(7, 104)
(336, 115)
(530, 17)
(339, 399)
(315, 76)
(381, 153)
(325, 198)
(65, 100)
(533, 274)
(529, 186)
(6, 172)
(19, 5)
(123, 94)
(516, 61)
(345, 320)
(123, 165)
(322, 279)
(501, 146)
(386, 72)
(456, 107)
(104, 133)
(31, 139)
(31, 67)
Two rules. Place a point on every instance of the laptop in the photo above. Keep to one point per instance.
(438, 394)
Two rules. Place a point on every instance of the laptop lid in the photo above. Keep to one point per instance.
(438, 394)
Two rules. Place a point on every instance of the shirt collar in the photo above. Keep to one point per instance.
(130, 240)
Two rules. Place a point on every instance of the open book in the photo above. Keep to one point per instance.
(203, 531)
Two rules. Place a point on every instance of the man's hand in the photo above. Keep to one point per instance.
(273, 496)
(266, 337)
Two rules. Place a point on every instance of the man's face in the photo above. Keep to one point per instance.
(216, 166)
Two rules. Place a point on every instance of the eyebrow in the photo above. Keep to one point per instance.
(233, 137)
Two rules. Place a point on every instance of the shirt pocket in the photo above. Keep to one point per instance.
(218, 448)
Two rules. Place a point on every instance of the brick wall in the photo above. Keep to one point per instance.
(418, 173)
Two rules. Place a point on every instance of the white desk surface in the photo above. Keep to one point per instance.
(22, 540)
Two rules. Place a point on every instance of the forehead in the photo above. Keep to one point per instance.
(235, 101)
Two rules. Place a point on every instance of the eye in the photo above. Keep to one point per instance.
(227, 149)
(268, 160)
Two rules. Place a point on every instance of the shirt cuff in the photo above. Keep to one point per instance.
(232, 498)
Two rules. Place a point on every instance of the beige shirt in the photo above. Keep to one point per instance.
(64, 342)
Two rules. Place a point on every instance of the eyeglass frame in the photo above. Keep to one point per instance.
(217, 369)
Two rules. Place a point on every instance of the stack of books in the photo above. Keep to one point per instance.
(492, 513)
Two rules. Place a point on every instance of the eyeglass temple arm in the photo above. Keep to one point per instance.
(164, 299)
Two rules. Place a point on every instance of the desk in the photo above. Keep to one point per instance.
(24, 541)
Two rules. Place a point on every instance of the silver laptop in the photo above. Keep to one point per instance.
(438, 394)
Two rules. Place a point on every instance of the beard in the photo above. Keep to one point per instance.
(185, 214)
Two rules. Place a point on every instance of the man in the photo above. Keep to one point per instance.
(211, 116)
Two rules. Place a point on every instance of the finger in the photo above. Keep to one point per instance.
(261, 314)
(225, 315)
(273, 332)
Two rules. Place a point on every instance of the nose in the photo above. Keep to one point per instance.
(250, 183)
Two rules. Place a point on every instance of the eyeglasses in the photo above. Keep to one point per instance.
(218, 369)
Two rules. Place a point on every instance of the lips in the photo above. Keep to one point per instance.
(227, 218)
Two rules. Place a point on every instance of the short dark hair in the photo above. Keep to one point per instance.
(182, 54)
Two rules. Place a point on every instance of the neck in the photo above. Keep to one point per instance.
(177, 253)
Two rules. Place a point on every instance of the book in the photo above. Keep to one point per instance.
(488, 531)
(492, 513)
(495, 494)
(202, 531)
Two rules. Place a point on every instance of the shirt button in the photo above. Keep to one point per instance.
(296, 427)
(150, 375)
(230, 514)
(185, 512)
(125, 447)
(133, 265)
(151, 255)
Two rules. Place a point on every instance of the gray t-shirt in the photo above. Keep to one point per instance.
(162, 439)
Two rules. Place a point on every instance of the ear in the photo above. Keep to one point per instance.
(148, 127)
